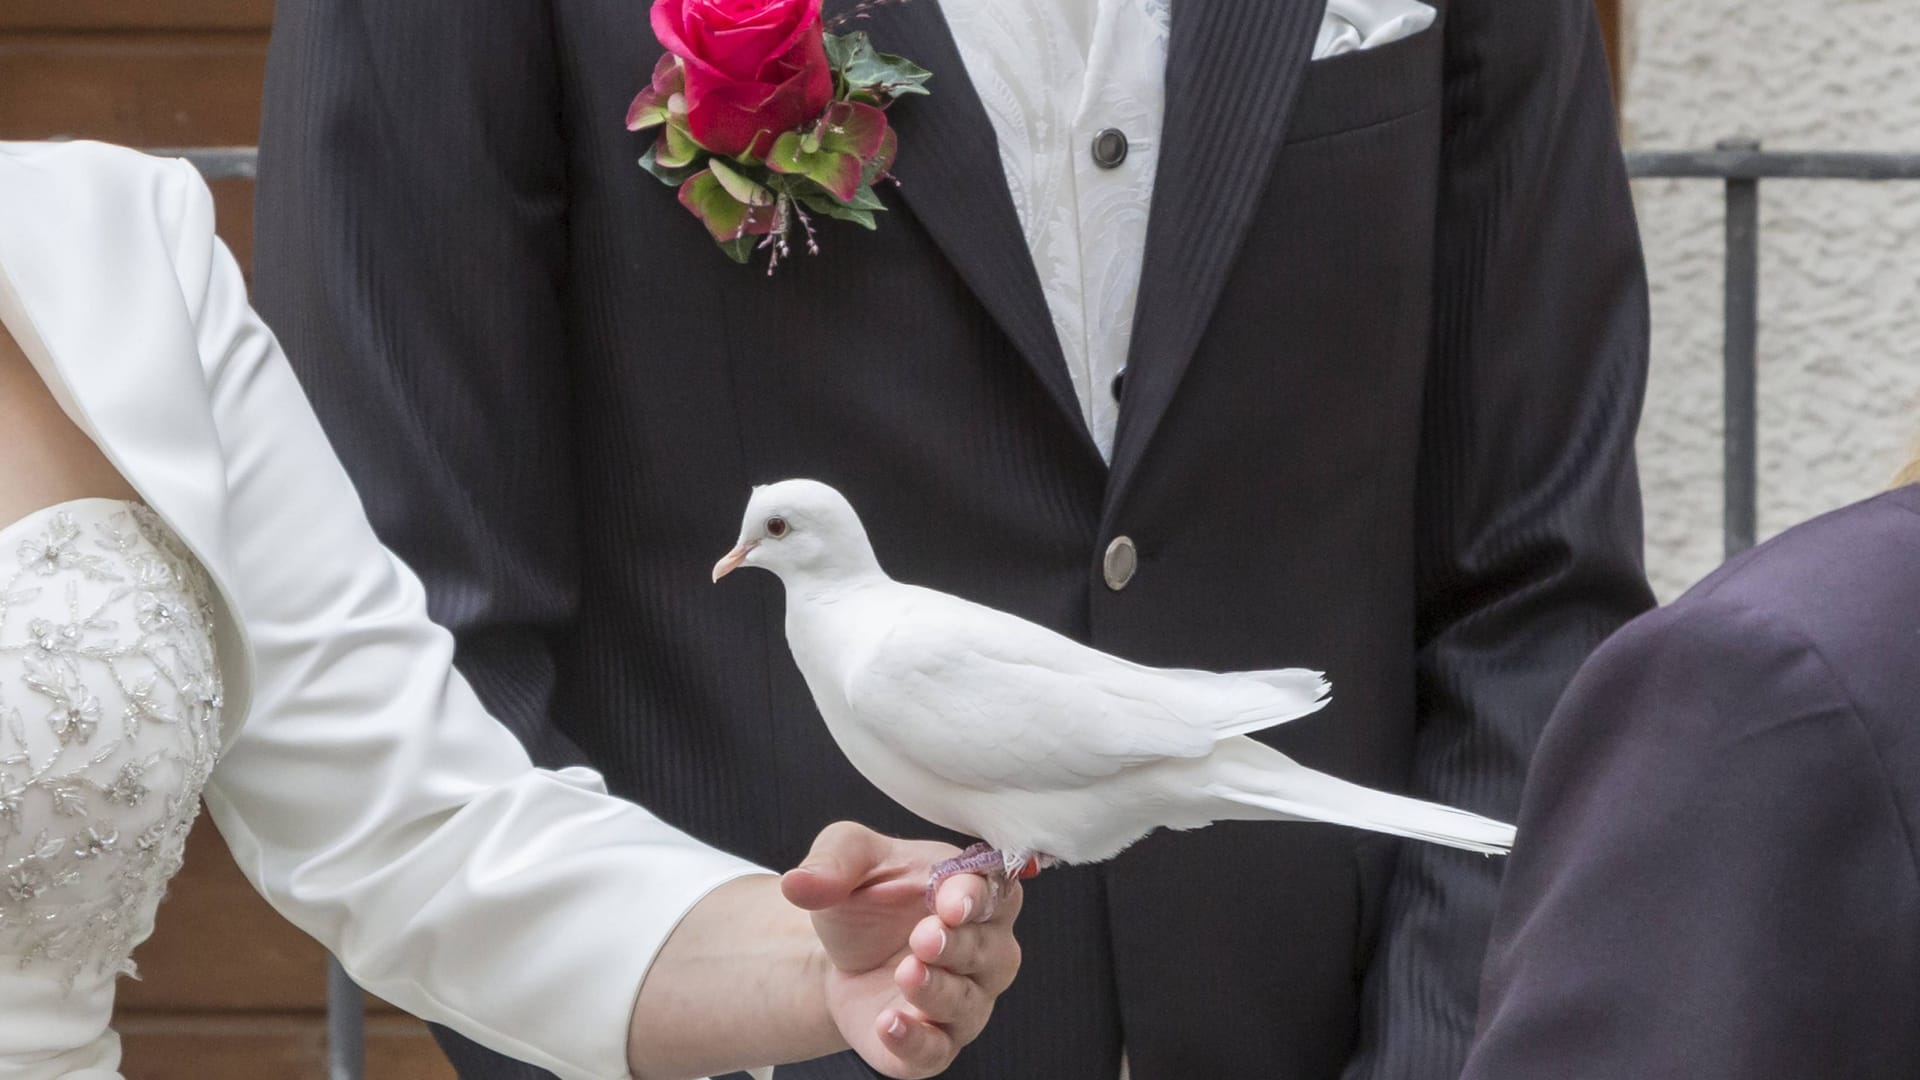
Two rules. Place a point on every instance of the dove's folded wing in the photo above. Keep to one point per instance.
(986, 700)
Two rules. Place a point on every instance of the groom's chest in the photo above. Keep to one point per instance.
(1270, 219)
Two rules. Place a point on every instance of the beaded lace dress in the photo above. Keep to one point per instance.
(109, 726)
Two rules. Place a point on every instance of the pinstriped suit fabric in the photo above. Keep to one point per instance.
(1384, 375)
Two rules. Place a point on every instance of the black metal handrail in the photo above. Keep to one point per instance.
(1741, 164)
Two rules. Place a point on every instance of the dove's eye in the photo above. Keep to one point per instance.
(776, 527)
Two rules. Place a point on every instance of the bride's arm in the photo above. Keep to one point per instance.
(377, 806)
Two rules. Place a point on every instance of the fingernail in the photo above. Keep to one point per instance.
(926, 974)
(898, 1027)
(966, 908)
(941, 950)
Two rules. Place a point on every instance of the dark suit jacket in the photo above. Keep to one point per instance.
(1378, 419)
(1717, 873)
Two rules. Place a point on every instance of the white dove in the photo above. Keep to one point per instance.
(1046, 749)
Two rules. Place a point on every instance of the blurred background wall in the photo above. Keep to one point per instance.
(1840, 262)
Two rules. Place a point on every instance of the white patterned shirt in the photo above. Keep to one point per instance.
(1053, 75)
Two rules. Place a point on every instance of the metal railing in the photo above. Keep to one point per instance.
(1740, 164)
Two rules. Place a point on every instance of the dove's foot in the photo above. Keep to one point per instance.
(998, 867)
(978, 859)
(1026, 864)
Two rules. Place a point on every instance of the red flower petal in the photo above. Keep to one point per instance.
(729, 117)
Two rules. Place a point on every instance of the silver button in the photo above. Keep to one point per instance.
(1121, 561)
(1110, 148)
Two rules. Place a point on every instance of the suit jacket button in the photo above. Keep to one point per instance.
(1110, 148)
(1121, 561)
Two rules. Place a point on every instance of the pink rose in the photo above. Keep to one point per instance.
(754, 68)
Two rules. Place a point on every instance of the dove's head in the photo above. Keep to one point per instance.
(802, 530)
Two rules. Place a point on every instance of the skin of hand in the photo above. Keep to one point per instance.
(838, 953)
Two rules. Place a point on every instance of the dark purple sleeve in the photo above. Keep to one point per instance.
(1712, 878)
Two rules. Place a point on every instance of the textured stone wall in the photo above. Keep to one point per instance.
(1840, 263)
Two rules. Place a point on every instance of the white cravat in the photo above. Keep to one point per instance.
(1054, 74)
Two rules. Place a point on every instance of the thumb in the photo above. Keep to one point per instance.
(844, 856)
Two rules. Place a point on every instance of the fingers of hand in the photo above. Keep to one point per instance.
(965, 898)
(922, 1048)
(955, 1002)
(843, 856)
(988, 954)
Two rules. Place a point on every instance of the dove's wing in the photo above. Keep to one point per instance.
(988, 700)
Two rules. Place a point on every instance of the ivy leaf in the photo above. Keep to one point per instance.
(829, 207)
(879, 74)
(841, 48)
(739, 249)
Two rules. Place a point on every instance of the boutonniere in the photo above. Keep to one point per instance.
(767, 118)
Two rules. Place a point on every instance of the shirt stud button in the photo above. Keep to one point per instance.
(1119, 383)
(1121, 562)
(1110, 148)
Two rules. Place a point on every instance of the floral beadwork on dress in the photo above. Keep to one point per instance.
(109, 726)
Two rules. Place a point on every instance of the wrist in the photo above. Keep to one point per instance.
(816, 1012)
(741, 983)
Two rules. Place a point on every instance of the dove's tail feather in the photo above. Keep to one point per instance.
(1255, 777)
(1264, 699)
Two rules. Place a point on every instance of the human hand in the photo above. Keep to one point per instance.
(906, 989)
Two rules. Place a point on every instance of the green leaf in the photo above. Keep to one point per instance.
(882, 160)
(862, 218)
(881, 74)
(645, 112)
(896, 76)
(840, 48)
(654, 105)
(852, 128)
(865, 199)
(724, 216)
(739, 249)
(679, 148)
(837, 173)
(826, 205)
(747, 191)
(670, 175)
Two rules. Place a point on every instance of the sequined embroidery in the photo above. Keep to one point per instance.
(109, 721)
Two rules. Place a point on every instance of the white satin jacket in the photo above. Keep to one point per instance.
(363, 789)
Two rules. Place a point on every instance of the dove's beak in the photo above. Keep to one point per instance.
(731, 560)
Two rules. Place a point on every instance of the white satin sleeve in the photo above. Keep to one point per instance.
(368, 795)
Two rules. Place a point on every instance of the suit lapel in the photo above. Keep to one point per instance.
(1233, 72)
(951, 179)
